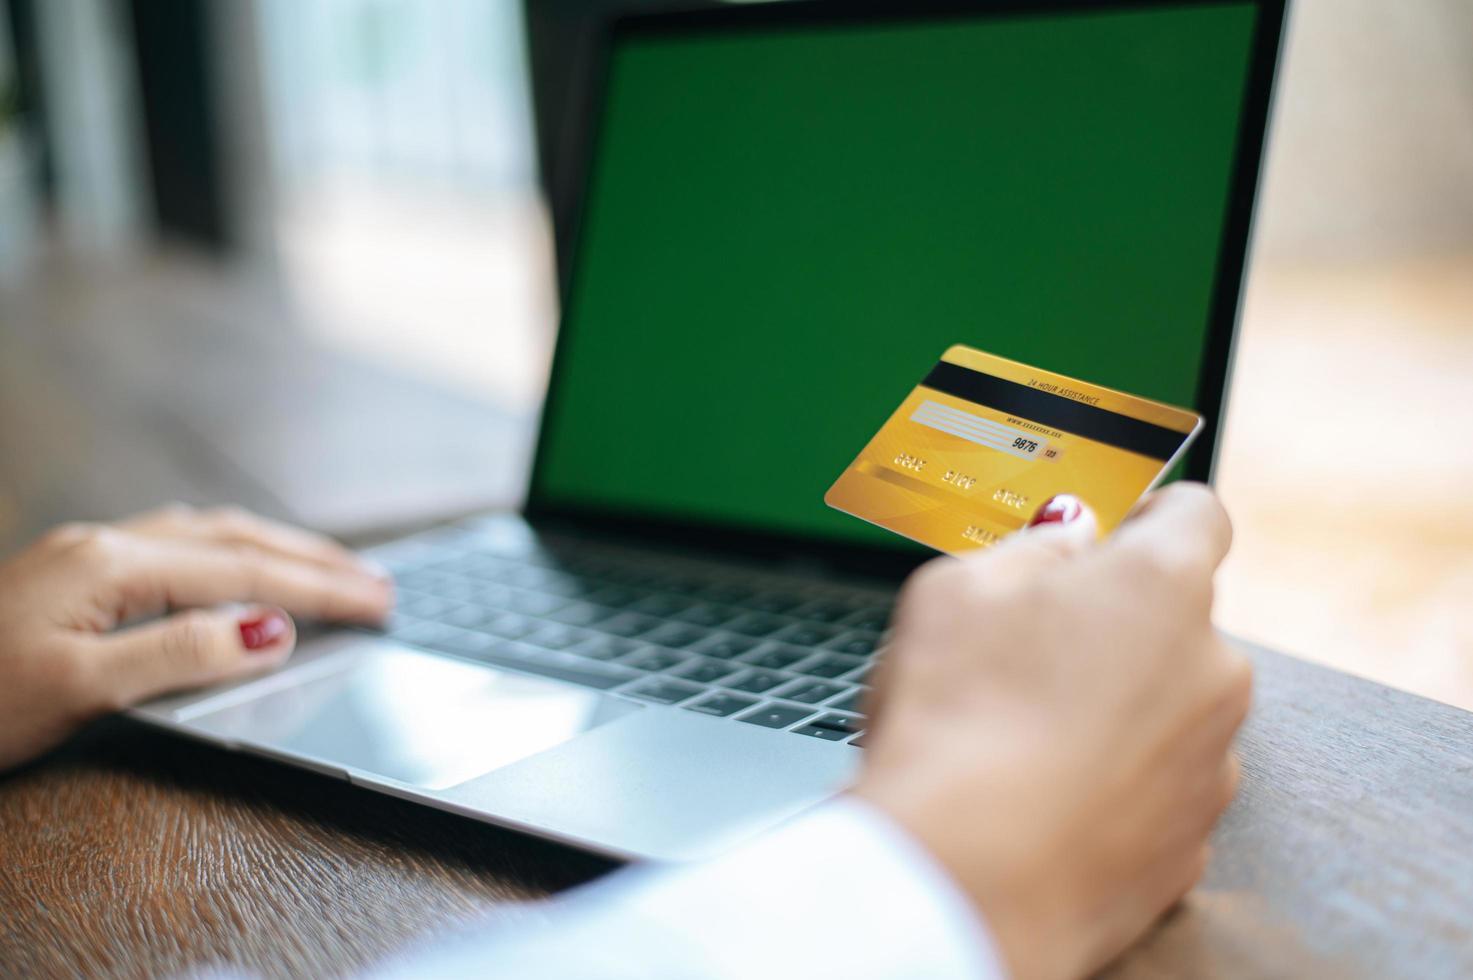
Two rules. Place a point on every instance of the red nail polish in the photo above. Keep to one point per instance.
(263, 630)
(1059, 509)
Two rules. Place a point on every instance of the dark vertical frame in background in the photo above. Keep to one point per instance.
(181, 122)
(564, 39)
(30, 89)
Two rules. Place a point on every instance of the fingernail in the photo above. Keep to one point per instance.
(1062, 508)
(263, 630)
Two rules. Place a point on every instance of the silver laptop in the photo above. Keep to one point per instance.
(791, 210)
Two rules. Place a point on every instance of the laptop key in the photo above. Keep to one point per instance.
(809, 692)
(856, 644)
(757, 681)
(581, 614)
(705, 614)
(676, 634)
(509, 626)
(662, 691)
(848, 724)
(606, 647)
(829, 665)
(422, 582)
(874, 618)
(614, 595)
(756, 624)
(685, 585)
(486, 568)
(628, 578)
(706, 671)
(807, 634)
(495, 597)
(567, 586)
(459, 565)
(827, 734)
(667, 576)
(663, 606)
(772, 602)
(775, 715)
(653, 659)
(722, 704)
(724, 647)
(532, 603)
(469, 617)
(556, 637)
(535, 577)
(825, 610)
(426, 606)
(462, 590)
(775, 657)
(628, 624)
(851, 701)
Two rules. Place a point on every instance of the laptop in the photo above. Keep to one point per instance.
(790, 211)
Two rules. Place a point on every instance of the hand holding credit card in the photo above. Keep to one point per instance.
(983, 441)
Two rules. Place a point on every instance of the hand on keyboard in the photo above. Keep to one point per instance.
(63, 658)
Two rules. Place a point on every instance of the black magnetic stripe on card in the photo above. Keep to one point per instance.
(1055, 411)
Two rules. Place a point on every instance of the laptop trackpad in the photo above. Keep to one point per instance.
(407, 716)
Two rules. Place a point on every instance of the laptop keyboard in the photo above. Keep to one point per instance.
(760, 648)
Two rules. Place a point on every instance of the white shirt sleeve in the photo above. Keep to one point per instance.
(838, 892)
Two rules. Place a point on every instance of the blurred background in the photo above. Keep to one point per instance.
(303, 254)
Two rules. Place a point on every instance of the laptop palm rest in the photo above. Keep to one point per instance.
(664, 783)
(427, 721)
(589, 769)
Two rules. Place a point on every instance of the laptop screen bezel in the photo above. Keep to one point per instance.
(879, 560)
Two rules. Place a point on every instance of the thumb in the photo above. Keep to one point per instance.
(190, 649)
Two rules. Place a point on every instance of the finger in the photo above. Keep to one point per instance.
(232, 525)
(1065, 523)
(188, 649)
(1061, 528)
(158, 573)
(1183, 526)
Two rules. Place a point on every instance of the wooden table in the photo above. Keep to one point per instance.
(128, 853)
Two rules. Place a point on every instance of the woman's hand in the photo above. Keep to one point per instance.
(69, 653)
(1054, 722)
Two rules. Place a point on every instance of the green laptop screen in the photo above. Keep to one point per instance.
(786, 227)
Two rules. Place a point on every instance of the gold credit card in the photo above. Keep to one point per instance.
(982, 442)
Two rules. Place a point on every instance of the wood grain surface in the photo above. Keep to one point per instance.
(1349, 850)
(130, 853)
